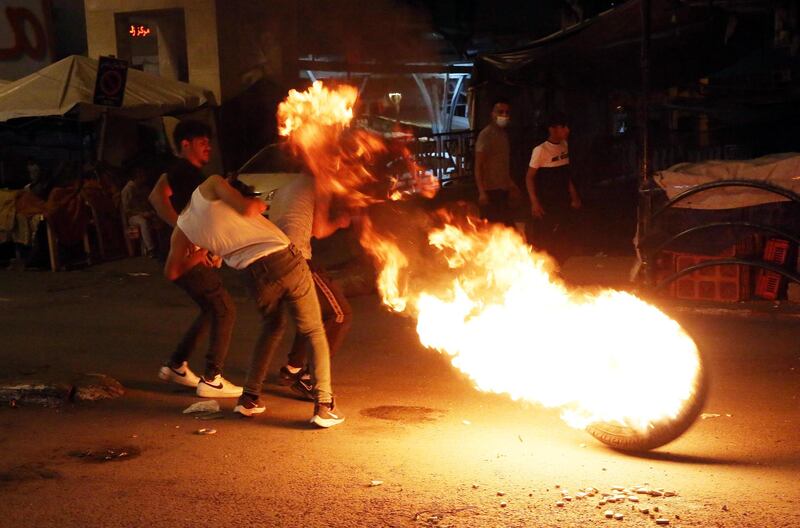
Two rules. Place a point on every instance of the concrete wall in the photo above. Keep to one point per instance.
(257, 41)
(202, 46)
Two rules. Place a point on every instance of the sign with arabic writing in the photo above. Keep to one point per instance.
(139, 31)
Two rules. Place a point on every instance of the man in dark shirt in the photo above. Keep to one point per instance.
(217, 312)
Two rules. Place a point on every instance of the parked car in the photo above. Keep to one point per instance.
(269, 169)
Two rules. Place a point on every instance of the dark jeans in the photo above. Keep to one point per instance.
(337, 317)
(217, 313)
(555, 232)
(498, 210)
(284, 278)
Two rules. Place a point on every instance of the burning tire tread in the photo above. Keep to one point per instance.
(661, 433)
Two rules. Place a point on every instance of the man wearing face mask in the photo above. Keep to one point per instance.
(496, 189)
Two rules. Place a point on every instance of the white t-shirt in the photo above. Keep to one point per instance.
(550, 155)
(292, 209)
(239, 240)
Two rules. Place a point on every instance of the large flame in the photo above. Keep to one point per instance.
(492, 304)
(496, 309)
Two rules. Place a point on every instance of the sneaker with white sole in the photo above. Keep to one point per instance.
(219, 387)
(304, 388)
(287, 377)
(326, 415)
(182, 375)
(249, 405)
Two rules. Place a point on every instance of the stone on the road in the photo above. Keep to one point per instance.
(58, 390)
(209, 406)
(93, 387)
(35, 392)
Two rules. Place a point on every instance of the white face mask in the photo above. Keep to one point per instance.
(502, 121)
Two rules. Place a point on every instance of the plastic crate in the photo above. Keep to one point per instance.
(768, 284)
(664, 267)
(727, 283)
(776, 251)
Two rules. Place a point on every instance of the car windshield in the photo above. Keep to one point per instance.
(272, 159)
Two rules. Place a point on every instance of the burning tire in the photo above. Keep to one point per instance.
(660, 433)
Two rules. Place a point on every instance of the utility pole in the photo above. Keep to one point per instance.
(646, 184)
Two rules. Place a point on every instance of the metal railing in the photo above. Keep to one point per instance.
(449, 156)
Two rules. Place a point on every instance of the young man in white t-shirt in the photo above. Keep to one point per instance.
(552, 192)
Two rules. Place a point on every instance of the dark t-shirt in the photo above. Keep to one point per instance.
(183, 179)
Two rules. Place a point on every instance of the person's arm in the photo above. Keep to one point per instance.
(219, 189)
(530, 183)
(323, 225)
(159, 199)
(182, 255)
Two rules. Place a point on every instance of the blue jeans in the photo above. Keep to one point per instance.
(284, 277)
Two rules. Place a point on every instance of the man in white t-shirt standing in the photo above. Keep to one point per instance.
(552, 192)
(496, 189)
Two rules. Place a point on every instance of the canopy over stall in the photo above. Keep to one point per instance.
(780, 170)
(67, 87)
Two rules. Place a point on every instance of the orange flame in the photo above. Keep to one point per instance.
(513, 328)
(317, 124)
(487, 300)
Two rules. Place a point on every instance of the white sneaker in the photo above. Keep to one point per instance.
(219, 387)
(181, 375)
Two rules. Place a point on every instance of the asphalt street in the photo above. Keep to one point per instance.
(442, 453)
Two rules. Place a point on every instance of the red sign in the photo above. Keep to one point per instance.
(19, 20)
(26, 42)
(138, 31)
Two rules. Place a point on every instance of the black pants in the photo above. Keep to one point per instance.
(555, 232)
(337, 317)
(217, 314)
(498, 210)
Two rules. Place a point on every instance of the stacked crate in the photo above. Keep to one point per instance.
(769, 283)
(725, 283)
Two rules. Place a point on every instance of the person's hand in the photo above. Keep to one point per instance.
(198, 254)
(214, 261)
(255, 207)
(483, 199)
(575, 203)
(343, 221)
(536, 210)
